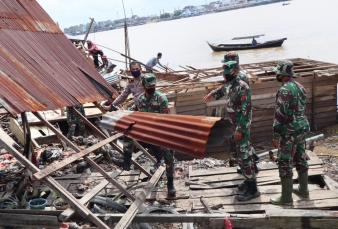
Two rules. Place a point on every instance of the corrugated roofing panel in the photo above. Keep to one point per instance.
(38, 59)
(183, 133)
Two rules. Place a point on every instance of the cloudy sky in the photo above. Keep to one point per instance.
(74, 12)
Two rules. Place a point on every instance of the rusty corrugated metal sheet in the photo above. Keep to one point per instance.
(183, 133)
(40, 68)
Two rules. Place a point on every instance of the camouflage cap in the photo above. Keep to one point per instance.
(149, 79)
(284, 67)
(230, 56)
(229, 67)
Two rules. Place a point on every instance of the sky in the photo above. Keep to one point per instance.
(74, 12)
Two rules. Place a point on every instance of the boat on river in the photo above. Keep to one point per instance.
(230, 47)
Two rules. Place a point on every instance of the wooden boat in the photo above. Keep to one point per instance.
(230, 47)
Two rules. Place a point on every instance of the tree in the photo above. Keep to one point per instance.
(166, 15)
(178, 13)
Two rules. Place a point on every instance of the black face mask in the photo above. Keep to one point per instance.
(229, 77)
(150, 91)
(136, 73)
(279, 79)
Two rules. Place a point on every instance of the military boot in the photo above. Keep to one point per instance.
(250, 193)
(286, 197)
(302, 188)
(243, 186)
(170, 186)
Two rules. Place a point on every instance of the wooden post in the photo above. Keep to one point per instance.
(88, 30)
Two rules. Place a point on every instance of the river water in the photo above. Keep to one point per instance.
(309, 25)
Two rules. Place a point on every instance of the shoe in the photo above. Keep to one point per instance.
(239, 171)
(286, 197)
(170, 186)
(250, 193)
(243, 186)
(302, 188)
(121, 164)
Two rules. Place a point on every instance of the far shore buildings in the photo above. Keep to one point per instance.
(135, 20)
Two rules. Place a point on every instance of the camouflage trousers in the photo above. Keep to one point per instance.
(291, 151)
(72, 127)
(158, 152)
(243, 152)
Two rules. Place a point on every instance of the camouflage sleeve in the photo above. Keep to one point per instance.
(83, 110)
(244, 123)
(139, 99)
(124, 95)
(68, 114)
(163, 102)
(219, 92)
(281, 112)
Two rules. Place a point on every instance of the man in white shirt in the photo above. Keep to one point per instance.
(153, 62)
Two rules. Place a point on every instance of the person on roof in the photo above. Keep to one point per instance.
(95, 52)
(254, 42)
(151, 101)
(107, 64)
(153, 62)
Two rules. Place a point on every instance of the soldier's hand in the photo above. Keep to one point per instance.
(237, 135)
(207, 98)
(276, 143)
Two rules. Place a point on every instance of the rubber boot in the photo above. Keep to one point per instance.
(250, 193)
(170, 186)
(302, 188)
(286, 197)
(243, 186)
(125, 163)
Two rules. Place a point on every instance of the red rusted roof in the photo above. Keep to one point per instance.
(183, 133)
(40, 68)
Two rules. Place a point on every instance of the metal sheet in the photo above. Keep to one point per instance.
(183, 133)
(40, 67)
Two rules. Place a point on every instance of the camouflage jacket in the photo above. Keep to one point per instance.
(290, 118)
(156, 104)
(243, 77)
(238, 101)
(71, 116)
(133, 87)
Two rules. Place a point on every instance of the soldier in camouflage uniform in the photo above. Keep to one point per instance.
(233, 56)
(238, 101)
(154, 102)
(74, 121)
(290, 127)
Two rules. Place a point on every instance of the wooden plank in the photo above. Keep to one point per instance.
(189, 102)
(167, 218)
(194, 112)
(276, 222)
(144, 151)
(300, 213)
(222, 192)
(56, 166)
(19, 220)
(3, 111)
(130, 214)
(205, 205)
(331, 184)
(187, 94)
(315, 195)
(311, 155)
(190, 108)
(64, 216)
(227, 170)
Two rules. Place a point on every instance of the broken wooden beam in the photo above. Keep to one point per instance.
(64, 216)
(28, 221)
(130, 214)
(54, 167)
(117, 148)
